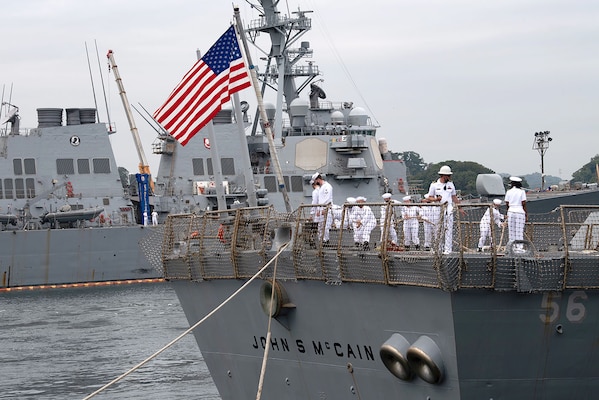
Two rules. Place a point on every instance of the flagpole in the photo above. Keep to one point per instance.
(263, 116)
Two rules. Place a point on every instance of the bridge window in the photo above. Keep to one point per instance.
(64, 166)
(101, 165)
(83, 166)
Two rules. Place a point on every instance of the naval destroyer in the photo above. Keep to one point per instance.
(316, 319)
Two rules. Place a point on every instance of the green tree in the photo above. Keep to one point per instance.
(588, 172)
(414, 162)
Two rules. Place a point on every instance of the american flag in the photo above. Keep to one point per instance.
(204, 89)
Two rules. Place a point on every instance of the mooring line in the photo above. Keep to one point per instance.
(268, 333)
(172, 342)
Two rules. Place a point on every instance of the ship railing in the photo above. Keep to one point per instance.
(404, 247)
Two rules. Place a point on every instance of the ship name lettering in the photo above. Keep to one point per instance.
(300, 346)
(275, 344)
(317, 348)
(354, 351)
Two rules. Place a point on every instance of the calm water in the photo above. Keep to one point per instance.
(67, 343)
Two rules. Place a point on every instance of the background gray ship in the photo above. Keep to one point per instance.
(367, 323)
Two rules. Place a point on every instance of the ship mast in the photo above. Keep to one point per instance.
(263, 116)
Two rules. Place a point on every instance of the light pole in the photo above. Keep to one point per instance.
(541, 144)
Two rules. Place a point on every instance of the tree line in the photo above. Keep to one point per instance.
(422, 174)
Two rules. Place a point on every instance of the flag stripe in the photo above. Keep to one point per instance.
(204, 89)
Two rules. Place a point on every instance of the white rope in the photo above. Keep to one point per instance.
(144, 362)
(268, 334)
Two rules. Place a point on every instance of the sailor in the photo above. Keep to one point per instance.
(410, 215)
(364, 221)
(347, 210)
(154, 217)
(391, 232)
(515, 200)
(443, 191)
(485, 223)
(429, 215)
(315, 187)
(323, 214)
(145, 216)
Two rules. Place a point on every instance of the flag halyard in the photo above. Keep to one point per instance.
(204, 89)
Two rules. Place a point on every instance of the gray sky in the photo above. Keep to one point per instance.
(467, 80)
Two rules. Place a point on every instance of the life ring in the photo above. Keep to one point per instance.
(393, 356)
(426, 360)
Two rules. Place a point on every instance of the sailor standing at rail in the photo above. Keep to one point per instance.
(391, 232)
(443, 191)
(324, 215)
(364, 222)
(485, 224)
(315, 187)
(350, 204)
(430, 219)
(515, 200)
(411, 224)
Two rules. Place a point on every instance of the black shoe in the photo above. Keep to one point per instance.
(417, 247)
(366, 246)
(479, 249)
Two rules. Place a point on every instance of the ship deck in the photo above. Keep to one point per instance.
(559, 252)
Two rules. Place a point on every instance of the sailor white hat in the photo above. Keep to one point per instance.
(360, 198)
(515, 179)
(445, 170)
(497, 202)
(407, 198)
(351, 200)
(387, 196)
(315, 176)
(311, 181)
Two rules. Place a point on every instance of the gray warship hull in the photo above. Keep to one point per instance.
(494, 345)
(389, 323)
(71, 256)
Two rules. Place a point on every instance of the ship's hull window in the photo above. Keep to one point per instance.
(8, 188)
(228, 166)
(64, 166)
(297, 183)
(198, 166)
(270, 183)
(83, 166)
(30, 187)
(17, 166)
(29, 164)
(19, 188)
(101, 165)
